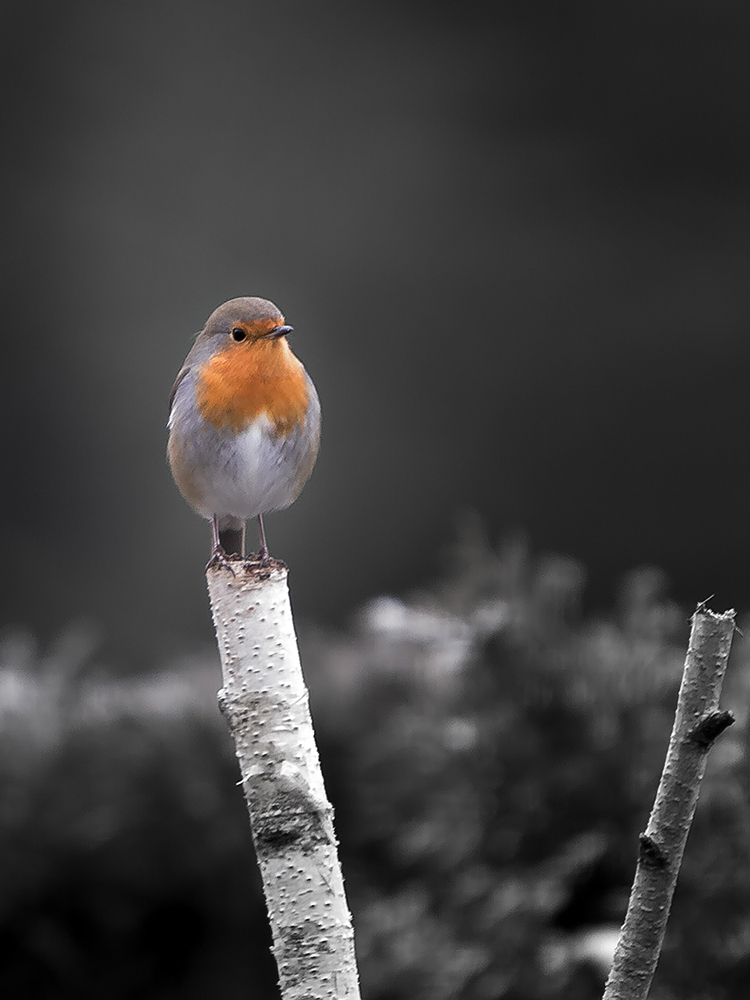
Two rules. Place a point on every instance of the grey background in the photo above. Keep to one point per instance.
(514, 248)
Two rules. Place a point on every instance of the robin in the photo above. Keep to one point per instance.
(244, 422)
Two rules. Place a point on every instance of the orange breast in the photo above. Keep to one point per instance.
(253, 378)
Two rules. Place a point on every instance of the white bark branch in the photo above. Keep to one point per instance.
(265, 702)
(698, 722)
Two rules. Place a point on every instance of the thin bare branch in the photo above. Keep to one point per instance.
(698, 722)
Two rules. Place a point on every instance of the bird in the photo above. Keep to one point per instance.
(244, 423)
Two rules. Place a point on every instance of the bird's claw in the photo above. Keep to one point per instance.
(261, 558)
(218, 558)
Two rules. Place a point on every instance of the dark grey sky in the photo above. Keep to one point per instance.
(514, 249)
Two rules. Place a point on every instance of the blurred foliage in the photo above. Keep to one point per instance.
(492, 750)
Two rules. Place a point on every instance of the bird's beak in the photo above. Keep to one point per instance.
(278, 331)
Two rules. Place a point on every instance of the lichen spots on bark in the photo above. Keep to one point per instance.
(252, 378)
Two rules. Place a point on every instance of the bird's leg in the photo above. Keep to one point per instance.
(216, 547)
(218, 555)
(263, 551)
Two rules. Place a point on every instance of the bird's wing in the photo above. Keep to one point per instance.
(176, 385)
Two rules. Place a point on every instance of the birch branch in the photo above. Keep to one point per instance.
(698, 722)
(265, 702)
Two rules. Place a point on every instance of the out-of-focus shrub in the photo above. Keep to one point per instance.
(492, 752)
(126, 868)
(495, 754)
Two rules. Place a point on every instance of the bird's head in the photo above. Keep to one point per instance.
(244, 322)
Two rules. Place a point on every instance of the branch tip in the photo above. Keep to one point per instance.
(702, 608)
(245, 569)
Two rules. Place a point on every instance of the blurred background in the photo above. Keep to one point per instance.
(513, 242)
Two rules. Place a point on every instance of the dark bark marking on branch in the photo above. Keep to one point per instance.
(709, 728)
(275, 838)
(651, 853)
(282, 817)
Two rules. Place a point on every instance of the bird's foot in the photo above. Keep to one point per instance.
(261, 558)
(219, 558)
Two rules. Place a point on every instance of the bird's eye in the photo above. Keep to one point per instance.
(238, 334)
